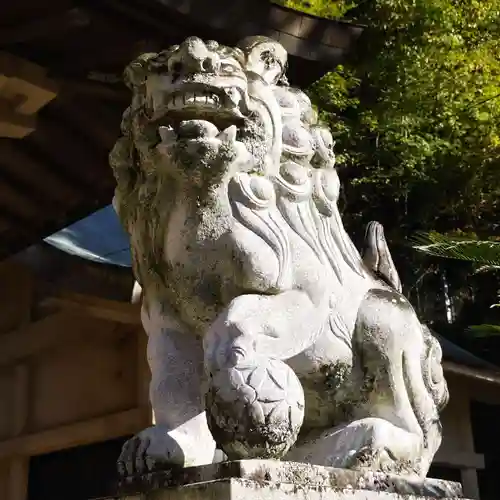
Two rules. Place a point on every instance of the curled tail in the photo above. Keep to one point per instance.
(377, 257)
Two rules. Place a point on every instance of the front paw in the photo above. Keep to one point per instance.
(151, 449)
(379, 459)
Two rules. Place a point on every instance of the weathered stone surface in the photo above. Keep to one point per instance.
(260, 479)
(268, 332)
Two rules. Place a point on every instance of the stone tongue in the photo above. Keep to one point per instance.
(193, 129)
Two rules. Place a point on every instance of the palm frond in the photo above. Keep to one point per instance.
(485, 253)
(483, 269)
(484, 330)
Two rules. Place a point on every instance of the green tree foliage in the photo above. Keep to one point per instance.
(416, 115)
(417, 112)
(319, 8)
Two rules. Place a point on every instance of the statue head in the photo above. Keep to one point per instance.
(202, 110)
(193, 81)
(201, 99)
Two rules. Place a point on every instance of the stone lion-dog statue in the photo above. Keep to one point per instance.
(269, 334)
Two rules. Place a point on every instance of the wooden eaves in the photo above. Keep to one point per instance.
(59, 172)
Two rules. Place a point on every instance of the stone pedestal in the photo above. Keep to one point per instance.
(272, 480)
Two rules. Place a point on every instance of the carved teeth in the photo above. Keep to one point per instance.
(190, 98)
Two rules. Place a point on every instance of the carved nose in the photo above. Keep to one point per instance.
(194, 56)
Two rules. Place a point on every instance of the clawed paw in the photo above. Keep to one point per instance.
(133, 457)
(373, 459)
(383, 460)
(151, 449)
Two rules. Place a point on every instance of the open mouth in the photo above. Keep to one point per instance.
(220, 106)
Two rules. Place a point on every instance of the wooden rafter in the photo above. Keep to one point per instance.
(110, 310)
(18, 159)
(44, 27)
(90, 431)
(21, 222)
(102, 133)
(33, 197)
(28, 341)
(24, 90)
(459, 459)
(113, 93)
(89, 167)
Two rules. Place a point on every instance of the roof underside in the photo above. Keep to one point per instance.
(59, 173)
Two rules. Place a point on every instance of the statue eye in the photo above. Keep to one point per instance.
(268, 58)
(227, 68)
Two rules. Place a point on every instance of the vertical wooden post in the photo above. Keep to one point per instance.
(21, 282)
(21, 399)
(468, 476)
(19, 466)
(18, 478)
(470, 484)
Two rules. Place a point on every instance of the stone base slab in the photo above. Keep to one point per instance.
(273, 480)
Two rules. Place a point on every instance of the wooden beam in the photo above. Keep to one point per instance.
(81, 162)
(18, 478)
(97, 123)
(19, 465)
(459, 459)
(116, 93)
(19, 344)
(5, 224)
(57, 272)
(470, 483)
(18, 223)
(302, 35)
(16, 296)
(49, 331)
(21, 398)
(17, 205)
(34, 195)
(91, 431)
(110, 310)
(45, 27)
(139, 16)
(13, 124)
(486, 376)
(19, 160)
(24, 90)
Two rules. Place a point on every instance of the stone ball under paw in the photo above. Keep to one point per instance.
(255, 410)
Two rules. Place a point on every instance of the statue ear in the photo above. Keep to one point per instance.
(136, 72)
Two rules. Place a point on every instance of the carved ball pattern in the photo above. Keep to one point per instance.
(255, 411)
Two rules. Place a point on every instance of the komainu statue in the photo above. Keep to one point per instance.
(270, 335)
